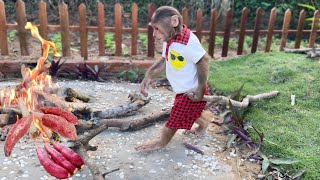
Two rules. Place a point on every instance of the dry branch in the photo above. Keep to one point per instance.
(245, 102)
(311, 52)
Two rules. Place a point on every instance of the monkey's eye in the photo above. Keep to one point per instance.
(155, 28)
(173, 57)
(180, 58)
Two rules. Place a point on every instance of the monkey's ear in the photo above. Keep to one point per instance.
(174, 20)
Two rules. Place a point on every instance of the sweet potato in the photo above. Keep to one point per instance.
(59, 159)
(18, 130)
(68, 153)
(60, 125)
(50, 166)
(60, 112)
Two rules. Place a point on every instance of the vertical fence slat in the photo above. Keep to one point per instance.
(299, 29)
(43, 29)
(118, 29)
(256, 32)
(151, 9)
(242, 32)
(64, 24)
(313, 34)
(101, 31)
(285, 29)
(272, 21)
(185, 16)
(134, 33)
(3, 31)
(227, 31)
(199, 24)
(213, 29)
(83, 31)
(22, 20)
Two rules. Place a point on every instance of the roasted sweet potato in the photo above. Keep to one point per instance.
(60, 112)
(59, 159)
(18, 130)
(68, 153)
(60, 125)
(50, 166)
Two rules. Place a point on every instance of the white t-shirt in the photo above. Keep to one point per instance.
(181, 67)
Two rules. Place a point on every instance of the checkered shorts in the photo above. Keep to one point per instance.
(184, 112)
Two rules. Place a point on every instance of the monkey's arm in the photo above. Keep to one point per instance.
(155, 70)
(202, 73)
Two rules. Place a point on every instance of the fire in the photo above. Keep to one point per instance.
(33, 80)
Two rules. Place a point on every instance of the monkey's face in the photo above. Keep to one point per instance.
(176, 60)
(159, 33)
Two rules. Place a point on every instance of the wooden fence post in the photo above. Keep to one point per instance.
(101, 31)
(199, 24)
(118, 29)
(185, 16)
(285, 29)
(3, 31)
(43, 29)
(213, 29)
(272, 20)
(151, 10)
(299, 29)
(83, 31)
(256, 33)
(242, 32)
(227, 31)
(134, 33)
(22, 20)
(64, 24)
(313, 33)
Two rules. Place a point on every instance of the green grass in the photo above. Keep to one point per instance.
(290, 131)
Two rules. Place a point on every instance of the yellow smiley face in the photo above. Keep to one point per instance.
(176, 61)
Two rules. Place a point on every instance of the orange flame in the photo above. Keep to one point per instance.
(33, 79)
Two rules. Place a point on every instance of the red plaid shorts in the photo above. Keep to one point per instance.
(184, 112)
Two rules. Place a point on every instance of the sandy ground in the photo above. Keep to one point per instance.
(116, 148)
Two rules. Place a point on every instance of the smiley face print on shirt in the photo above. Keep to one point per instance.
(176, 60)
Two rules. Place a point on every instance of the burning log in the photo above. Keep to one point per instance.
(7, 119)
(11, 111)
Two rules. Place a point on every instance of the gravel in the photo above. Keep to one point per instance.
(116, 148)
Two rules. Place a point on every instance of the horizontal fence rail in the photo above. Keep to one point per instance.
(65, 28)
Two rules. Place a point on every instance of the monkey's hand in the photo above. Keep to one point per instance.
(144, 85)
(195, 94)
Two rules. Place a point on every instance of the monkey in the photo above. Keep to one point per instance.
(186, 65)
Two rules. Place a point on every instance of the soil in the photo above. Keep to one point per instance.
(116, 148)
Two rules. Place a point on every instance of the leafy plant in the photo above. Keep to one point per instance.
(109, 40)
(56, 38)
(12, 35)
(87, 72)
(55, 67)
(132, 75)
(143, 38)
(275, 169)
(312, 8)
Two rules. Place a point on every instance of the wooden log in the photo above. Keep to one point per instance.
(300, 51)
(9, 110)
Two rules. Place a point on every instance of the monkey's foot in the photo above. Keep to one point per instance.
(150, 146)
(198, 131)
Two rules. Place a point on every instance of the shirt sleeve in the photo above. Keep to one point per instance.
(164, 44)
(194, 50)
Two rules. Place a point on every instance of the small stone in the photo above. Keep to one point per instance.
(4, 178)
(152, 171)
(131, 167)
(25, 175)
(179, 164)
(77, 175)
(14, 155)
(11, 172)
